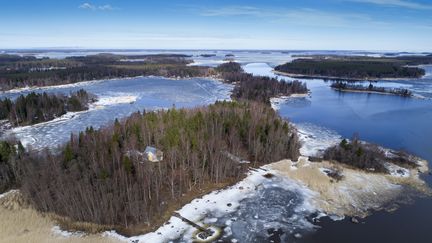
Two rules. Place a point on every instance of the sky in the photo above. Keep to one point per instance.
(375, 25)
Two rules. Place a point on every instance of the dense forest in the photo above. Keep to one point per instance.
(365, 156)
(344, 86)
(257, 88)
(100, 176)
(16, 71)
(36, 108)
(355, 68)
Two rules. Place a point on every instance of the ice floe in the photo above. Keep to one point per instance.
(315, 139)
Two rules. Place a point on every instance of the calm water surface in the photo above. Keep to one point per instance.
(392, 121)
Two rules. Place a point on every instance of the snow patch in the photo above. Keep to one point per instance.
(8, 193)
(114, 100)
(316, 139)
(66, 234)
(276, 102)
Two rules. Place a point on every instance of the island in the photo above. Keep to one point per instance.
(355, 68)
(348, 87)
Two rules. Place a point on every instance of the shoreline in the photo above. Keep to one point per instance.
(293, 75)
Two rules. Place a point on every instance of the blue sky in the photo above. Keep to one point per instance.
(396, 25)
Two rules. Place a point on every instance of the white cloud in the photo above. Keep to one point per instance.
(303, 16)
(89, 6)
(397, 3)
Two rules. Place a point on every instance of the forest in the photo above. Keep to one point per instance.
(257, 88)
(344, 86)
(17, 71)
(100, 177)
(365, 156)
(355, 68)
(41, 107)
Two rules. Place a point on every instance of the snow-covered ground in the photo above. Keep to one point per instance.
(7, 193)
(66, 234)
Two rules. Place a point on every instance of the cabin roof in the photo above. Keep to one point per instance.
(150, 149)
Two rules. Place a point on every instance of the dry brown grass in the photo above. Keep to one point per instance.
(355, 194)
(21, 223)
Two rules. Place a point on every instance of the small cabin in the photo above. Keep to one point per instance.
(153, 154)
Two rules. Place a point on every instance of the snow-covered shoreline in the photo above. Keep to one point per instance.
(276, 102)
(217, 204)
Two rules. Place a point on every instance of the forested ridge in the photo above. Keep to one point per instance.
(41, 107)
(99, 177)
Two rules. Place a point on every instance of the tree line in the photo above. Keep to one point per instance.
(41, 107)
(99, 175)
(20, 72)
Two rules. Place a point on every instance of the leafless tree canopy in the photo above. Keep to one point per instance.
(100, 177)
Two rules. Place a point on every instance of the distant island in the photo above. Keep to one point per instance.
(347, 87)
(207, 55)
(355, 68)
(23, 71)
